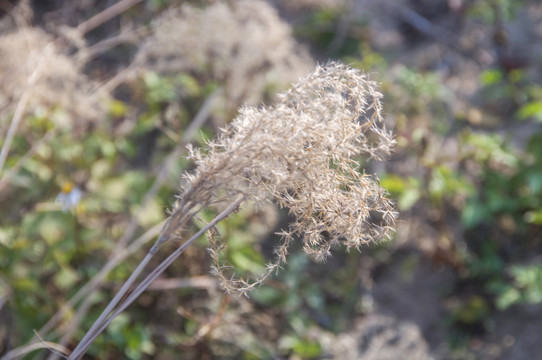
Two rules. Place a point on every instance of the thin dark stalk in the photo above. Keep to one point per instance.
(106, 15)
(17, 117)
(103, 321)
(173, 223)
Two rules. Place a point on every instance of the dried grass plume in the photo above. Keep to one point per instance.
(30, 61)
(302, 154)
(243, 44)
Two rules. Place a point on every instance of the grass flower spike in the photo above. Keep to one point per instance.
(301, 153)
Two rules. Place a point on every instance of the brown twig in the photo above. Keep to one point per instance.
(17, 117)
(106, 15)
(106, 44)
(196, 282)
(427, 28)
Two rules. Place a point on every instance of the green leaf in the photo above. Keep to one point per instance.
(305, 348)
(267, 295)
(490, 77)
(247, 259)
(54, 227)
(159, 89)
(189, 84)
(406, 190)
(393, 183)
(473, 214)
(531, 110)
(508, 298)
(118, 108)
(473, 311)
(152, 214)
(534, 217)
(66, 277)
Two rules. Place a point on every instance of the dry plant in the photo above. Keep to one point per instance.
(377, 337)
(242, 44)
(59, 83)
(38, 78)
(301, 154)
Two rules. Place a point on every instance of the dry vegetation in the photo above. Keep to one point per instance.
(105, 107)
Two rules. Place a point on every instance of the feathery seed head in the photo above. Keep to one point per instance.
(301, 154)
(243, 44)
(30, 61)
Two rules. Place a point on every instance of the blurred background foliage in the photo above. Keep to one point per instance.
(85, 185)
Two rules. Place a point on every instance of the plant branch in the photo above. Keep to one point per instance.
(427, 28)
(106, 44)
(20, 351)
(113, 303)
(198, 282)
(17, 117)
(106, 15)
